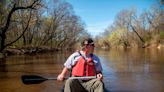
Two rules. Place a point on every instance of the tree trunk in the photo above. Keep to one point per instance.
(5, 28)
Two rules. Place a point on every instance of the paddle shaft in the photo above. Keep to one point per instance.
(34, 79)
(86, 77)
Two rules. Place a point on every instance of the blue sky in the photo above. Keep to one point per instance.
(99, 14)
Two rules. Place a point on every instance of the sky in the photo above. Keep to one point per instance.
(99, 14)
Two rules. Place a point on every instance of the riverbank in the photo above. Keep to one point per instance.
(35, 50)
(26, 50)
(147, 46)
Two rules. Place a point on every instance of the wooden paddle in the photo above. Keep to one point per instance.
(35, 79)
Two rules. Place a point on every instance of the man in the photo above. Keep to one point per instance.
(83, 63)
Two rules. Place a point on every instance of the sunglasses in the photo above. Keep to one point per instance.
(91, 45)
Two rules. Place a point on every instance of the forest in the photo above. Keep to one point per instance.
(133, 30)
(39, 23)
(34, 24)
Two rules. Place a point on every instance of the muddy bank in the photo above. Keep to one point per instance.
(35, 50)
(146, 46)
(28, 50)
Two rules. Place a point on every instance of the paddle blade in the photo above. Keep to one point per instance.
(32, 79)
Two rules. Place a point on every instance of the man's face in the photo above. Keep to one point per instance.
(90, 48)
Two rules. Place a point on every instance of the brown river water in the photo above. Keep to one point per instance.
(132, 70)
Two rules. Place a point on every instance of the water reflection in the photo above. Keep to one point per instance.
(131, 70)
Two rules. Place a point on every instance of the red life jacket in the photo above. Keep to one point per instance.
(84, 67)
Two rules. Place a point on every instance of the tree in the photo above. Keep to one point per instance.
(7, 23)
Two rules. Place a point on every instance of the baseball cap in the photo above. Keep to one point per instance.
(87, 41)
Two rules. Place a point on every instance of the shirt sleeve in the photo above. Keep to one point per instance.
(98, 63)
(71, 61)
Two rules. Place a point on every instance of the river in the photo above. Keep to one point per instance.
(131, 70)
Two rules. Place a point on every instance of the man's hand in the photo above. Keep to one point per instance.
(60, 77)
(99, 76)
(62, 74)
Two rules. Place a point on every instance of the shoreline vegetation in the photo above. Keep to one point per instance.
(28, 50)
(36, 50)
(155, 46)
